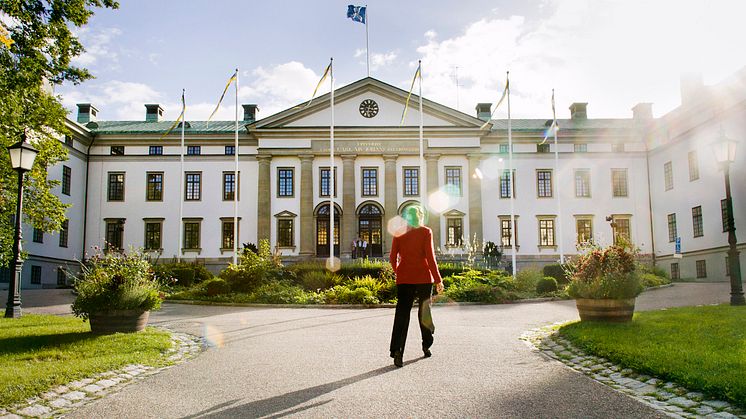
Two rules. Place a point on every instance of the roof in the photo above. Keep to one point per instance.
(564, 124)
(143, 127)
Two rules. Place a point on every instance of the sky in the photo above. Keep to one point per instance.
(612, 54)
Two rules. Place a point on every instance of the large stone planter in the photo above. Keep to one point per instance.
(605, 310)
(118, 321)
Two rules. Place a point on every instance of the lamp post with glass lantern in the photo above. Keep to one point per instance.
(22, 157)
(725, 154)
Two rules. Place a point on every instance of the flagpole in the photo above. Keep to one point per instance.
(422, 146)
(367, 49)
(332, 265)
(511, 180)
(235, 182)
(558, 183)
(181, 178)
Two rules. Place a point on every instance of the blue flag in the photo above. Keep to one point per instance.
(356, 13)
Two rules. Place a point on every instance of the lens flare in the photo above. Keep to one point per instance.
(333, 264)
(492, 167)
(397, 226)
(438, 201)
(212, 337)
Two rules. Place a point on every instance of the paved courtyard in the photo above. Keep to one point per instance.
(273, 362)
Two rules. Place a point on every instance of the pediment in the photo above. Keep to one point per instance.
(389, 103)
(285, 214)
(453, 213)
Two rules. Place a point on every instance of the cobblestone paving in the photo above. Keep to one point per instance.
(664, 396)
(65, 398)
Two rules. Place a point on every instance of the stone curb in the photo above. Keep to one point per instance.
(666, 397)
(63, 399)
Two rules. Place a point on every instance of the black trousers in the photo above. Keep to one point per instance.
(406, 294)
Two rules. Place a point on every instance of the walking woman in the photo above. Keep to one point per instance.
(413, 259)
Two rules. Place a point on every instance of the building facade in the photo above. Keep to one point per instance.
(610, 178)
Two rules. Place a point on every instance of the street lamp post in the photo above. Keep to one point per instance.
(22, 157)
(725, 153)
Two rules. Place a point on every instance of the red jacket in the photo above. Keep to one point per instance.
(413, 258)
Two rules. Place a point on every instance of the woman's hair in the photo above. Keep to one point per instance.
(413, 215)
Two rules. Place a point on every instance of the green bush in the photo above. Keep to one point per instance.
(619, 285)
(546, 285)
(215, 286)
(342, 294)
(363, 267)
(450, 269)
(116, 281)
(254, 269)
(186, 274)
(284, 292)
(651, 280)
(316, 280)
(527, 279)
(556, 271)
(652, 269)
(474, 291)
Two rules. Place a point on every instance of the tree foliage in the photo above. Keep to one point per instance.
(38, 54)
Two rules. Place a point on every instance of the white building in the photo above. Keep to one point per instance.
(126, 181)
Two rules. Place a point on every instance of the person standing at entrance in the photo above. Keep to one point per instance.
(413, 259)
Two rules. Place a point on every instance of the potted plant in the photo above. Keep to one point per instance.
(605, 282)
(116, 292)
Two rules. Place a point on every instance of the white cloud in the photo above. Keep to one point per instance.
(280, 87)
(98, 45)
(610, 53)
(274, 89)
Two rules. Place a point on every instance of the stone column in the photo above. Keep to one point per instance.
(306, 205)
(432, 186)
(349, 221)
(264, 199)
(475, 200)
(390, 204)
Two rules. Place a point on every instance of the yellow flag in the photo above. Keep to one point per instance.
(227, 85)
(326, 74)
(406, 104)
(183, 109)
(506, 91)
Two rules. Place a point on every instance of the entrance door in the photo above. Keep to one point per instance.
(322, 232)
(369, 228)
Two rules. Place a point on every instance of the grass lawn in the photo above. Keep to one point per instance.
(41, 352)
(700, 348)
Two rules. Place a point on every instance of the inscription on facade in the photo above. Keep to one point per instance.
(367, 147)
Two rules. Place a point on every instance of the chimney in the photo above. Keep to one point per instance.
(86, 113)
(691, 86)
(642, 112)
(153, 113)
(483, 111)
(249, 113)
(578, 110)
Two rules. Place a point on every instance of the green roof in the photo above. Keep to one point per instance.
(143, 127)
(564, 124)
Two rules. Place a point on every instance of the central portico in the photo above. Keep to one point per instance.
(376, 170)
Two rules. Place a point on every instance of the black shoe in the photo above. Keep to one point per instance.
(427, 352)
(398, 359)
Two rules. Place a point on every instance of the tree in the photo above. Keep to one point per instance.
(36, 49)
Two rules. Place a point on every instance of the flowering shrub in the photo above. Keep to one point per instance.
(604, 273)
(116, 281)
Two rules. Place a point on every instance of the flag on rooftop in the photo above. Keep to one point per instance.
(356, 13)
(323, 77)
(553, 128)
(180, 118)
(417, 74)
(505, 93)
(227, 85)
